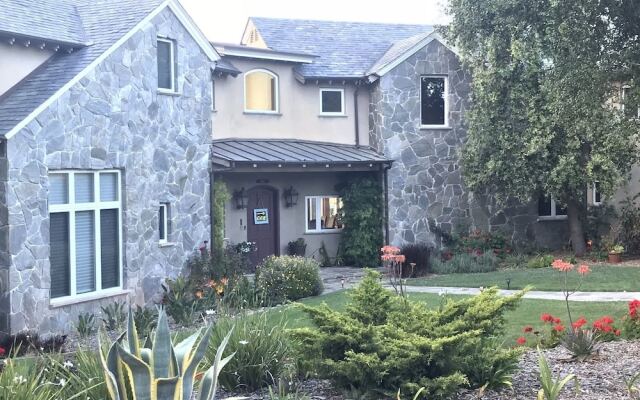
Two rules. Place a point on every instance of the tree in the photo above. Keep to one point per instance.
(542, 119)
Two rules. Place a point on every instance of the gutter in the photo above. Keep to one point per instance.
(355, 115)
(386, 202)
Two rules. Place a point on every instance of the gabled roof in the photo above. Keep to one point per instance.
(344, 49)
(225, 66)
(47, 20)
(106, 24)
(286, 151)
(241, 51)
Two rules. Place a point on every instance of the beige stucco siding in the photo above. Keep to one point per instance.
(299, 108)
(17, 61)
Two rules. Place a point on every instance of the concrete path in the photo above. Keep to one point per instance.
(338, 278)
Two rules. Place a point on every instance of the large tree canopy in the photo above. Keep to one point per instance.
(545, 115)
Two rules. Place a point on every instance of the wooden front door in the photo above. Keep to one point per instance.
(262, 222)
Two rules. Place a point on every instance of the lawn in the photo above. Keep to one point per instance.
(601, 279)
(528, 313)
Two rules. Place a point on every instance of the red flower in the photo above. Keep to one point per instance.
(546, 317)
(521, 340)
(579, 323)
(558, 328)
(2, 351)
(617, 332)
(527, 329)
(557, 321)
(633, 308)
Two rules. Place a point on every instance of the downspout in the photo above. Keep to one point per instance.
(386, 202)
(211, 205)
(355, 115)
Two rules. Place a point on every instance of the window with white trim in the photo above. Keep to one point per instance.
(434, 102)
(166, 65)
(261, 91)
(548, 208)
(331, 101)
(596, 195)
(163, 222)
(323, 213)
(85, 240)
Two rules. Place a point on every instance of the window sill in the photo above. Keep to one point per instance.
(323, 232)
(435, 127)
(85, 297)
(166, 244)
(168, 92)
(332, 115)
(552, 218)
(275, 114)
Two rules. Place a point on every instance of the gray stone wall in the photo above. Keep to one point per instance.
(427, 194)
(115, 119)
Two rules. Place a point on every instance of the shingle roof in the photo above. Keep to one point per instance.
(103, 21)
(397, 50)
(224, 65)
(291, 151)
(50, 20)
(344, 49)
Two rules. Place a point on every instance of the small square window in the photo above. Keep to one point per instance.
(323, 213)
(331, 101)
(166, 65)
(163, 222)
(433, 101)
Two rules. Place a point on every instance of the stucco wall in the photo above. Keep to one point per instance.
(292, 219)
(17, 61)
(298, 117)
(114, 118)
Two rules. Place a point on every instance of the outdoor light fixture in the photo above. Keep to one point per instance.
(241, 198)
(290, 197)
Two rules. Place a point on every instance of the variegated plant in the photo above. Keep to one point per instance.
(159, 370)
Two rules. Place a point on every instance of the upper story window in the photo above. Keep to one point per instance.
(331, 102)
(434, 103)
(260, 91)
(548, 208)
(166, 65)
(85, 241)
(596, 198)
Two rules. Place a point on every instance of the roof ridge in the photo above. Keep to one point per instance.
(341, 21)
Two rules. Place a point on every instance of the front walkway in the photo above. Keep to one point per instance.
(338, 278)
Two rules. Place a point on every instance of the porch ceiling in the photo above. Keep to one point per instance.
(255, 152)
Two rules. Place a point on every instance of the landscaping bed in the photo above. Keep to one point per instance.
(600, 377)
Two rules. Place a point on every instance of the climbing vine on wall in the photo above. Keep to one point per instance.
(363, 221)
(220, 197)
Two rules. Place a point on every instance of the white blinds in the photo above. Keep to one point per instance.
(85, 252)
(58, 189)
(84, 188)
(109, 186)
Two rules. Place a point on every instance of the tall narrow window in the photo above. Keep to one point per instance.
(163, 222)
(434, 105)
(261, 91)
(331, 102)
(596, 195)
(166, 65)
(323, 213)
(548, 208)
(85, 240)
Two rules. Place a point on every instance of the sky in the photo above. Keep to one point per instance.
(224, 20)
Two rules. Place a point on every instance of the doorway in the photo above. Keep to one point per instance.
(262, 222)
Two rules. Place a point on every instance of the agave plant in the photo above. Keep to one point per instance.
(159, 370)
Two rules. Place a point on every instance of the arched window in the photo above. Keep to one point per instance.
(261, 91)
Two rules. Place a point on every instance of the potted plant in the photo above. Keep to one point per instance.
(297, 247)
(615, 253)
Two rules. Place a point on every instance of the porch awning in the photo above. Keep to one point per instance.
(254, 152)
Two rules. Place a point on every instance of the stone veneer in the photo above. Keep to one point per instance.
(114, 118)
(426, 189)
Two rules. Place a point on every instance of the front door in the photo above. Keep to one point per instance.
(262, 222)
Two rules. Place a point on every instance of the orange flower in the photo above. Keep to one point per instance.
(199, 294)
(583, 269)
(400, 259)
(390, 250)
(562, 266)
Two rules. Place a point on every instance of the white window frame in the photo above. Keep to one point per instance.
(318, 201)
(594, 191)
(332, 114)
(446, 102)
(554, 216)
(276, 85)
(172, 64)
(71, 207)
(165, 223)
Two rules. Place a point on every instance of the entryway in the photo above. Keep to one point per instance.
(262, 222)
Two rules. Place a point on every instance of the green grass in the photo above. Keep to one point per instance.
(528, 312)
(601, 279)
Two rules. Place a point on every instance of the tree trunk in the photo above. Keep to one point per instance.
(576, 230)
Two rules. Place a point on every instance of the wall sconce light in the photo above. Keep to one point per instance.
(290, 197)
(241, 198)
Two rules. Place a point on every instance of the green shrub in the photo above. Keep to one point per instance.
(287, 278)
(146, 319)
(489, 369)
(114, 316)
(262, 351)
(515, 261)
(465, 263)
(86, 324)
(179, 301)
(383, 343)
(542, 261)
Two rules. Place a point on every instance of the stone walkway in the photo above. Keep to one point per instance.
(338, 278)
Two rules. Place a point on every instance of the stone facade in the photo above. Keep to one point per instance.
(427, 194)
(114, 118)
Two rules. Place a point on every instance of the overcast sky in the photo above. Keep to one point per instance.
(224, 20)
